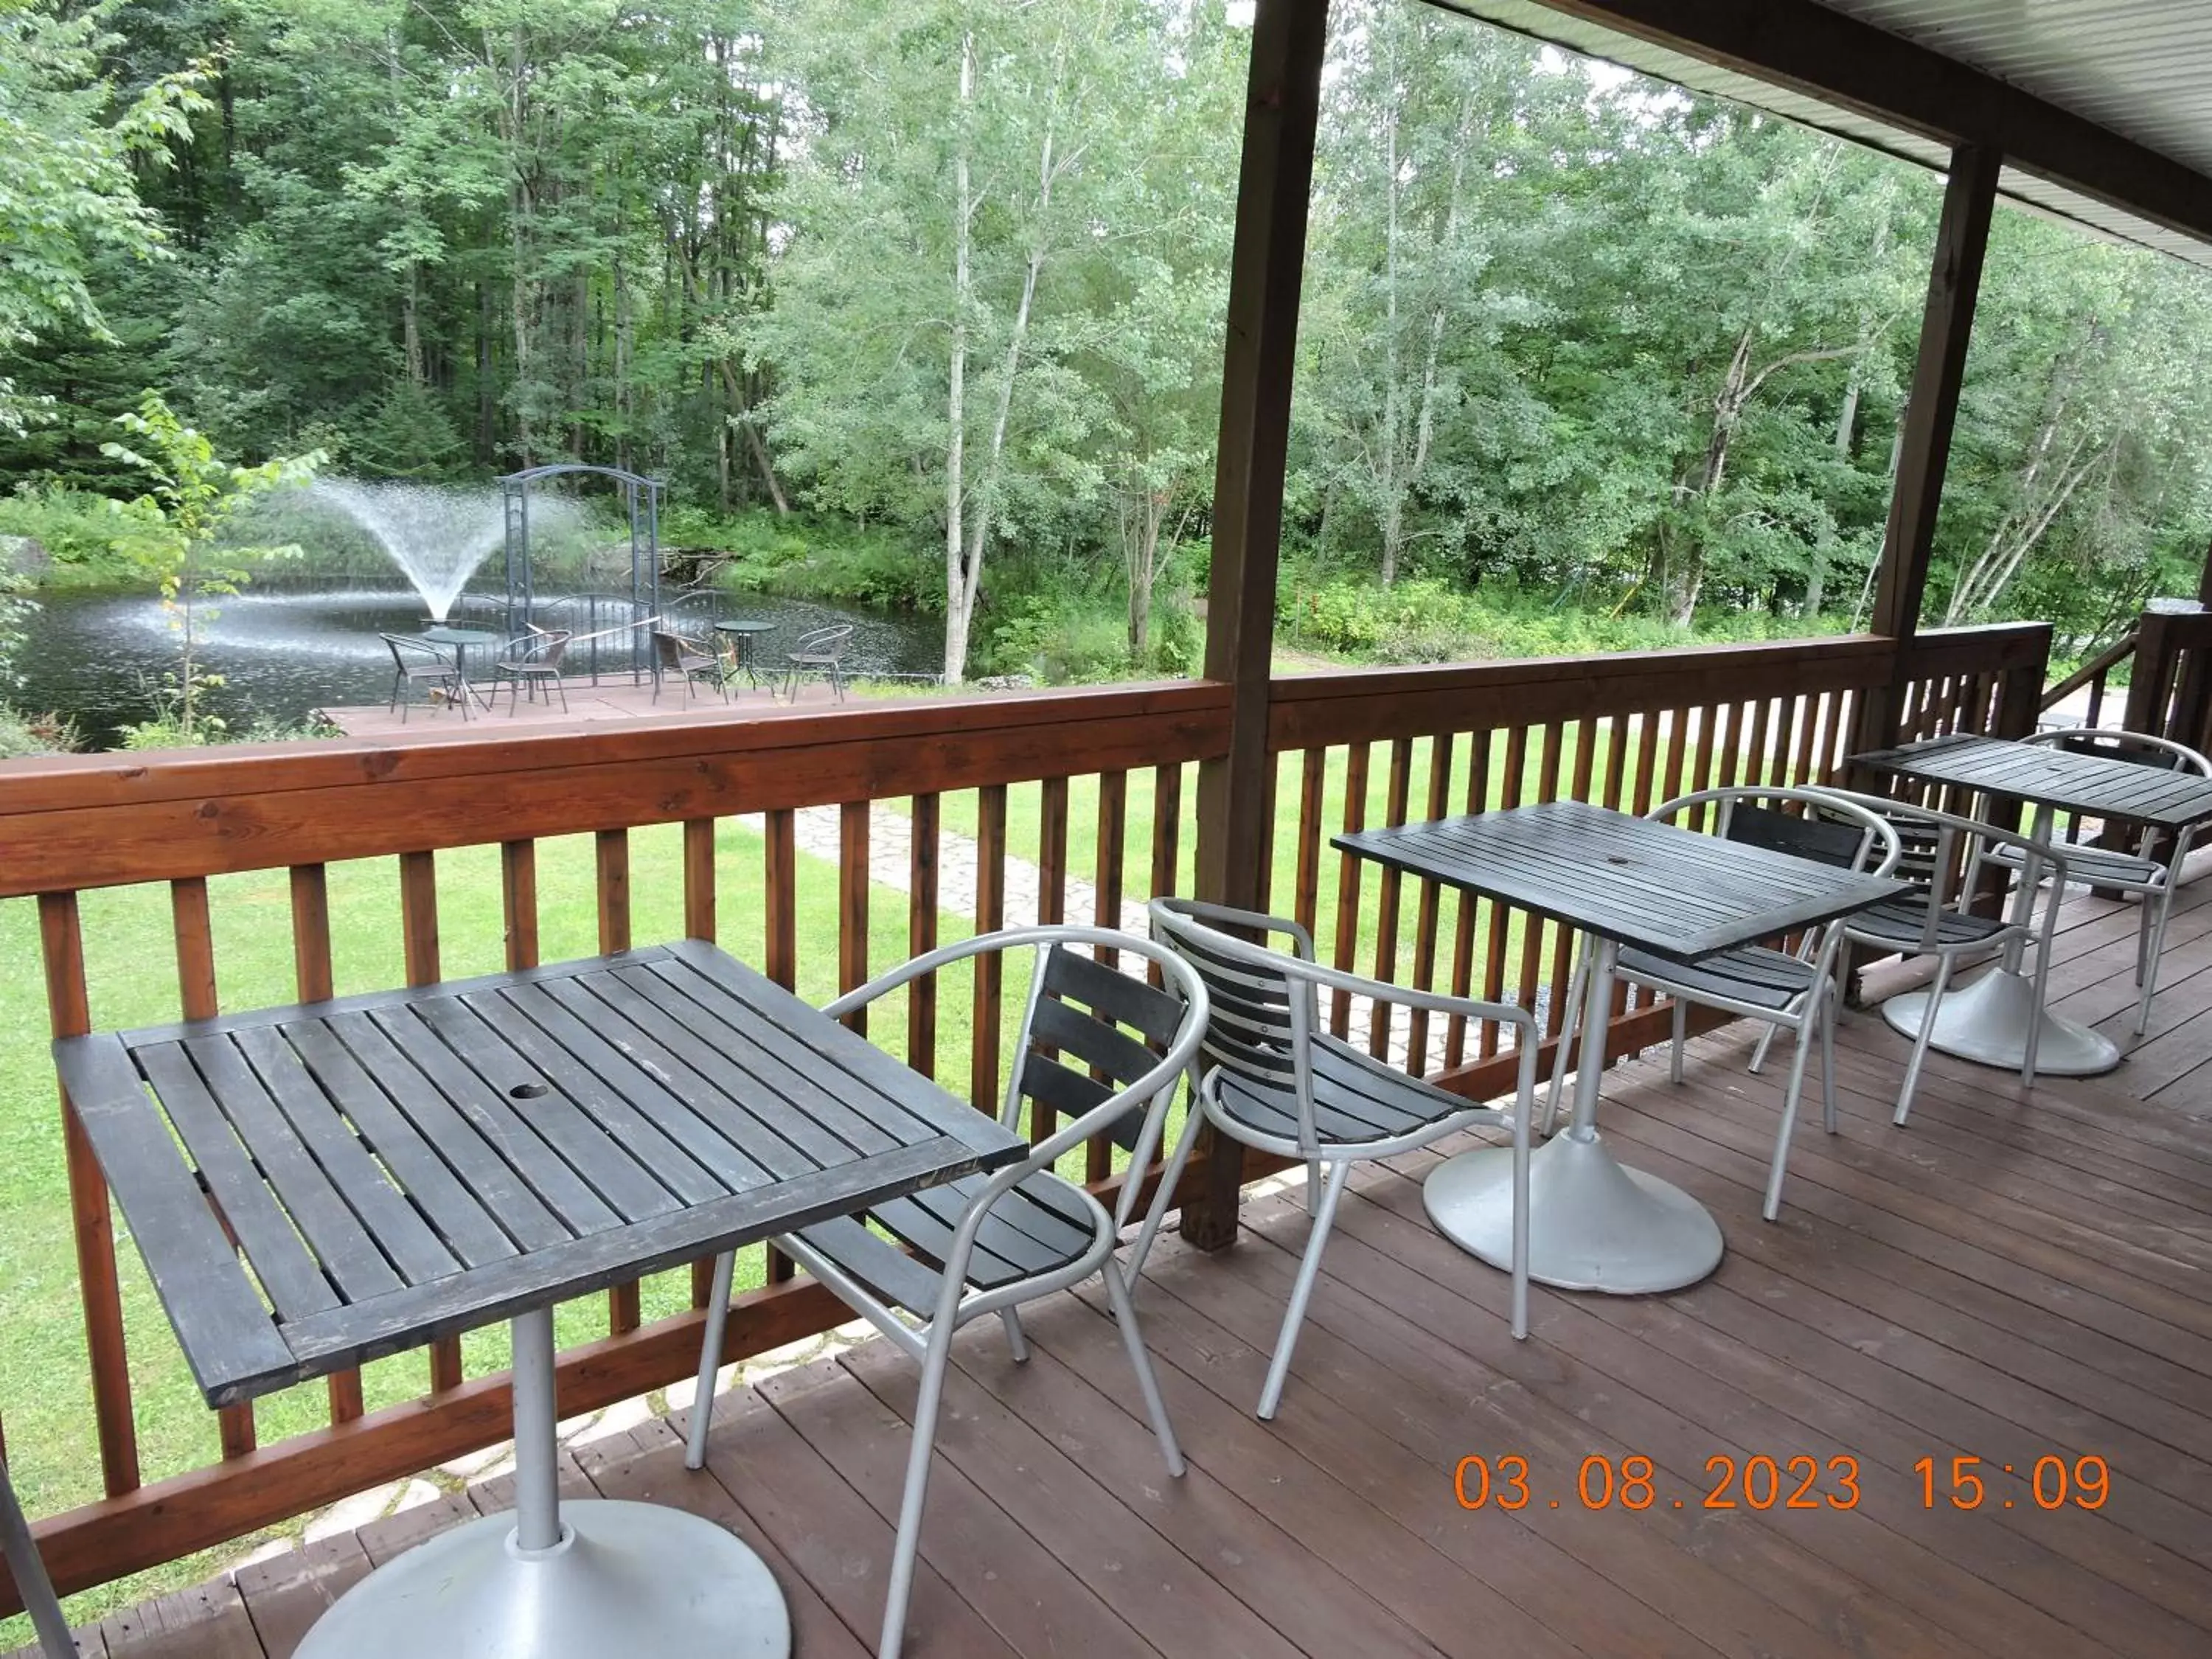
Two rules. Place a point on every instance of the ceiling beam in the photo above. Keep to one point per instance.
(1826, 55)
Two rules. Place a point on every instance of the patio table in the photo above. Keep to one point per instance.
(462, 640)
(1594, 1224)
(410, 1165)
(1988, 1021)
(743, 635)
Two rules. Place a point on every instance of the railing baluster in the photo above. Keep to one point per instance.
(517, 895)
(1395, 799)
(990, 915)
(1463, 925)
(780, 940)
(1808, 741)
(853, 905)
(68, 1005)
(1113, 856)
(1305, 903)
(699, 883)
(1270, 779)
(418, 930)
(1349, 872)
(610, 852)
(921, 933)
(699, 920)
(313, 981)
(1563, 938)
(1501, 919)
(1426, 920)
(1052, 850)
(196, 995)
(1167, 828)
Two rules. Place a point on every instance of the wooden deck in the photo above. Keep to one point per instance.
(2015, 1276)
(614, 698)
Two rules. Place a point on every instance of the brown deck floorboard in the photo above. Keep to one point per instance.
(2018, 1274)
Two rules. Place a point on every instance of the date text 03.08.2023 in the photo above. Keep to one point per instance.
(1634, 1482)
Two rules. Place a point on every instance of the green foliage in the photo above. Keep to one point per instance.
(67, 147)
(812, 557)
(954, 272)
(1423, 619)
(193, 497)
(23, 734)
(84, 533)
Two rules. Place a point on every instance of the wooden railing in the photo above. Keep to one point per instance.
(498, 847)
(2095, 674)
(2170, 690)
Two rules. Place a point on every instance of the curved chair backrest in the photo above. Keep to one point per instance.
(1945, 853)
(828, 642)
(1265, 1012)
(1828, 827)
(2113, 743)
(1084, 1022)
(552, 645)
(402, 645)
(669, 650)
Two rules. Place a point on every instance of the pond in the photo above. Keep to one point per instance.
(99, 658)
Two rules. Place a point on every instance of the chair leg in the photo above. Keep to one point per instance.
(1773, 1204)
(1829, 997)
(1315, 1175)
(1759, 1053)
(32, 1588)
(1675, 1044)
(1156, 1408)
(1563, 1058)
(934, 1361)
(710, 1361)
(1920, 1040)
(1018, 1344)
(1169, 1178)
(2157, 949)
(562, 688)
(1279, 1368)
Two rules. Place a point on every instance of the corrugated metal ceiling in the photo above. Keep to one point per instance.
(2140, 68)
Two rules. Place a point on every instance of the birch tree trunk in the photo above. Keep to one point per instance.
(959, 602)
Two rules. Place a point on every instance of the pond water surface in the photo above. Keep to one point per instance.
(100, 658)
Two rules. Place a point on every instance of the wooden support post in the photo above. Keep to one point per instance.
(1282, 113)
(1945, 325)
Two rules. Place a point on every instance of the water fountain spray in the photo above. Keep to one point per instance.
(437, 538)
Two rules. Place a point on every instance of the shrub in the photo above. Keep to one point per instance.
(22, 733)
(811, 559)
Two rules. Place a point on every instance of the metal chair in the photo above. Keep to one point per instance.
(1275, 1080)
(987, 1244)
(32, 1588)
(417, 662)
(1944, 859)
(688, 661)
(2152, 880)
(1792, 991)
(532, 660)
(821, 651)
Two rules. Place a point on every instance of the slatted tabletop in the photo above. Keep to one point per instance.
(2097, 784)
(1653, 885)
(405, 1165)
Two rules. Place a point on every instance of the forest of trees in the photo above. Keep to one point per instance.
(955, 270)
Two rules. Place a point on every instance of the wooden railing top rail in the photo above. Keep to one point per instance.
(97, 821)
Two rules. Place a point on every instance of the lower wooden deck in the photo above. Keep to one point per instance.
(2017, 1276)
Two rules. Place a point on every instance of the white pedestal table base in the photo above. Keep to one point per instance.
(626, 1579)
(1594, 1224)
(1987, 1021)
